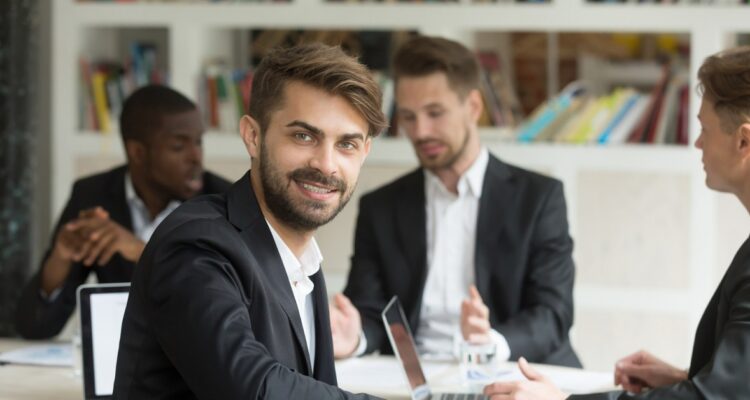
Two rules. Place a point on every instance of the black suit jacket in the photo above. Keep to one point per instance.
(38, 318)
(211, 313)
(523, 265)
(720, 364)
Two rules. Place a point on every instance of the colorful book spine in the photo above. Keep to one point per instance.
(98, 83)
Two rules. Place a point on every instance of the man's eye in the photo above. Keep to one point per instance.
(304, 137)
(435, 114)
(348, 145)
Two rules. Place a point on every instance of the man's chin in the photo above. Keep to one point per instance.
(431, 164)
(186, 194)
(313, 217)
(194, 186)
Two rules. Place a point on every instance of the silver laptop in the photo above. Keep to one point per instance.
(102, 307)
(403, 345)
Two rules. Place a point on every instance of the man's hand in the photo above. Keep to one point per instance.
(642, 370)
(103, 238)
(475, 318)
(536, 388)
(91, 238)
(68, 243)
(346, 326)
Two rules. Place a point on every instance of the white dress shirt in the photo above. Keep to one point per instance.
(299, 272)
(143, 225)
(451, 241)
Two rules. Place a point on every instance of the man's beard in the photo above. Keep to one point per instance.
(302, 215)
(434, 165)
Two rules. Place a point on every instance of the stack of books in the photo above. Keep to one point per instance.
(104, 85)
(623, 116)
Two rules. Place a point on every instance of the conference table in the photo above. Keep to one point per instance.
(377, 375)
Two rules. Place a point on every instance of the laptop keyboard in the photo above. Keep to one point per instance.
(461, 396)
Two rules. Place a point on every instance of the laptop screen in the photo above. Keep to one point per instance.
(102, 310)
(403, 345)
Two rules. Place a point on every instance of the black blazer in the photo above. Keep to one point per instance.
(720, 364)
(38, 318)
(524, 270)
(211, 314)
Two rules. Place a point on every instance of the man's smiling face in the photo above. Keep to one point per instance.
(310, 156)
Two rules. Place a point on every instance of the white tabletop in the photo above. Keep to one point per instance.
(378, 375)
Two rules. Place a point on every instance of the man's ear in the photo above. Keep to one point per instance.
(250, 133)
(368, 146)
(743, 140)
(475, 103)
(136, 152)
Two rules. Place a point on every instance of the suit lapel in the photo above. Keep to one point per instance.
(245, 214)
(411, 223)
(497, 197)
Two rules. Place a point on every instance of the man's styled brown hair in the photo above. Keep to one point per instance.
(724, 80)
(424, 55)
(321, 66)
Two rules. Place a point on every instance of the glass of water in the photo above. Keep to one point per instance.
(77, 354)
(477, 364)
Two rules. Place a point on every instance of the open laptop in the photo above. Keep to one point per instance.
(403, 345)
(102, 307)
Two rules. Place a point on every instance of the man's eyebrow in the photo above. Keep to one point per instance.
(179, 135)
(305, 125)
(352, 136)
(318, 131)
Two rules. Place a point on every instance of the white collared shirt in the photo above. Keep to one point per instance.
(451, 242)
(299, 271)
(143, 225)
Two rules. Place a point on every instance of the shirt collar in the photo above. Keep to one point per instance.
(471, 181)
(136, 203)
(299, 269)
(130, 195)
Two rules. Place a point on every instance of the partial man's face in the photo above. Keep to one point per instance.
(174, 155)
(435, 118)
(721, 157)
(310, 156)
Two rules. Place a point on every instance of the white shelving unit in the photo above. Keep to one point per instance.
(648, 248)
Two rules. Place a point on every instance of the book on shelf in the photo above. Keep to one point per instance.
(623, 118)
(683, 116)
(224, 96)
(501, 102)
(104, 84)
(645, 131)
(666, 126)
(549, 112)
(388, 105)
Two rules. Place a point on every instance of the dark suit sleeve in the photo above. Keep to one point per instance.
(40, 318)
(547, 296)
(201, 320)
(214, 183)
(365, 285)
